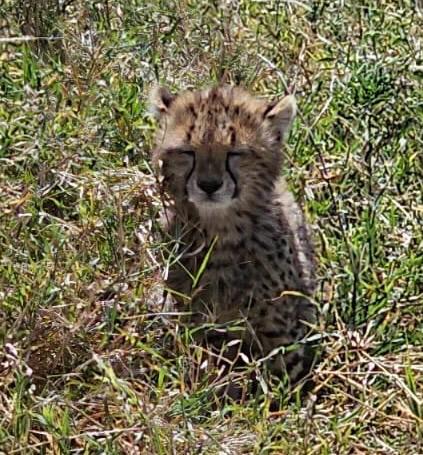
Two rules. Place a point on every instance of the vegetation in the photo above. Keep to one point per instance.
(92, 361)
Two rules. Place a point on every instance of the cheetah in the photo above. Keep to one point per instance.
(245, 252)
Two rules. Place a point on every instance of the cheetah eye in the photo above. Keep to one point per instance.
(179, 151)
(180, 154)
(179, 162)
(233, 154)
(184, 152)
(241, 152)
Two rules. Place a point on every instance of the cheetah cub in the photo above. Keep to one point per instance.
(244, 254)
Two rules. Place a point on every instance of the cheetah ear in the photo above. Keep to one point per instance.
(281, 115)
(160, 100)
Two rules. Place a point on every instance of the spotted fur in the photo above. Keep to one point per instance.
(219, 155)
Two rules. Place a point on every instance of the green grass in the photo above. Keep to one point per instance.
(91, 361)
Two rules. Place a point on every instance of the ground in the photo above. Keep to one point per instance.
(91, 359)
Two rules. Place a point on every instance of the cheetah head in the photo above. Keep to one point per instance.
(219, 147)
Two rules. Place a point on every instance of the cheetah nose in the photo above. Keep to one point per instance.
(209, 186)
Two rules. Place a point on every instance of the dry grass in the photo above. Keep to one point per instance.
(92, 361)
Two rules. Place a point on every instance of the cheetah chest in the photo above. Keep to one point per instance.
(253, 269)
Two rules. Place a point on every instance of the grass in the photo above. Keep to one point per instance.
(91, 361)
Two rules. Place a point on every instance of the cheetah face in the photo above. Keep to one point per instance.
(219, 147)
